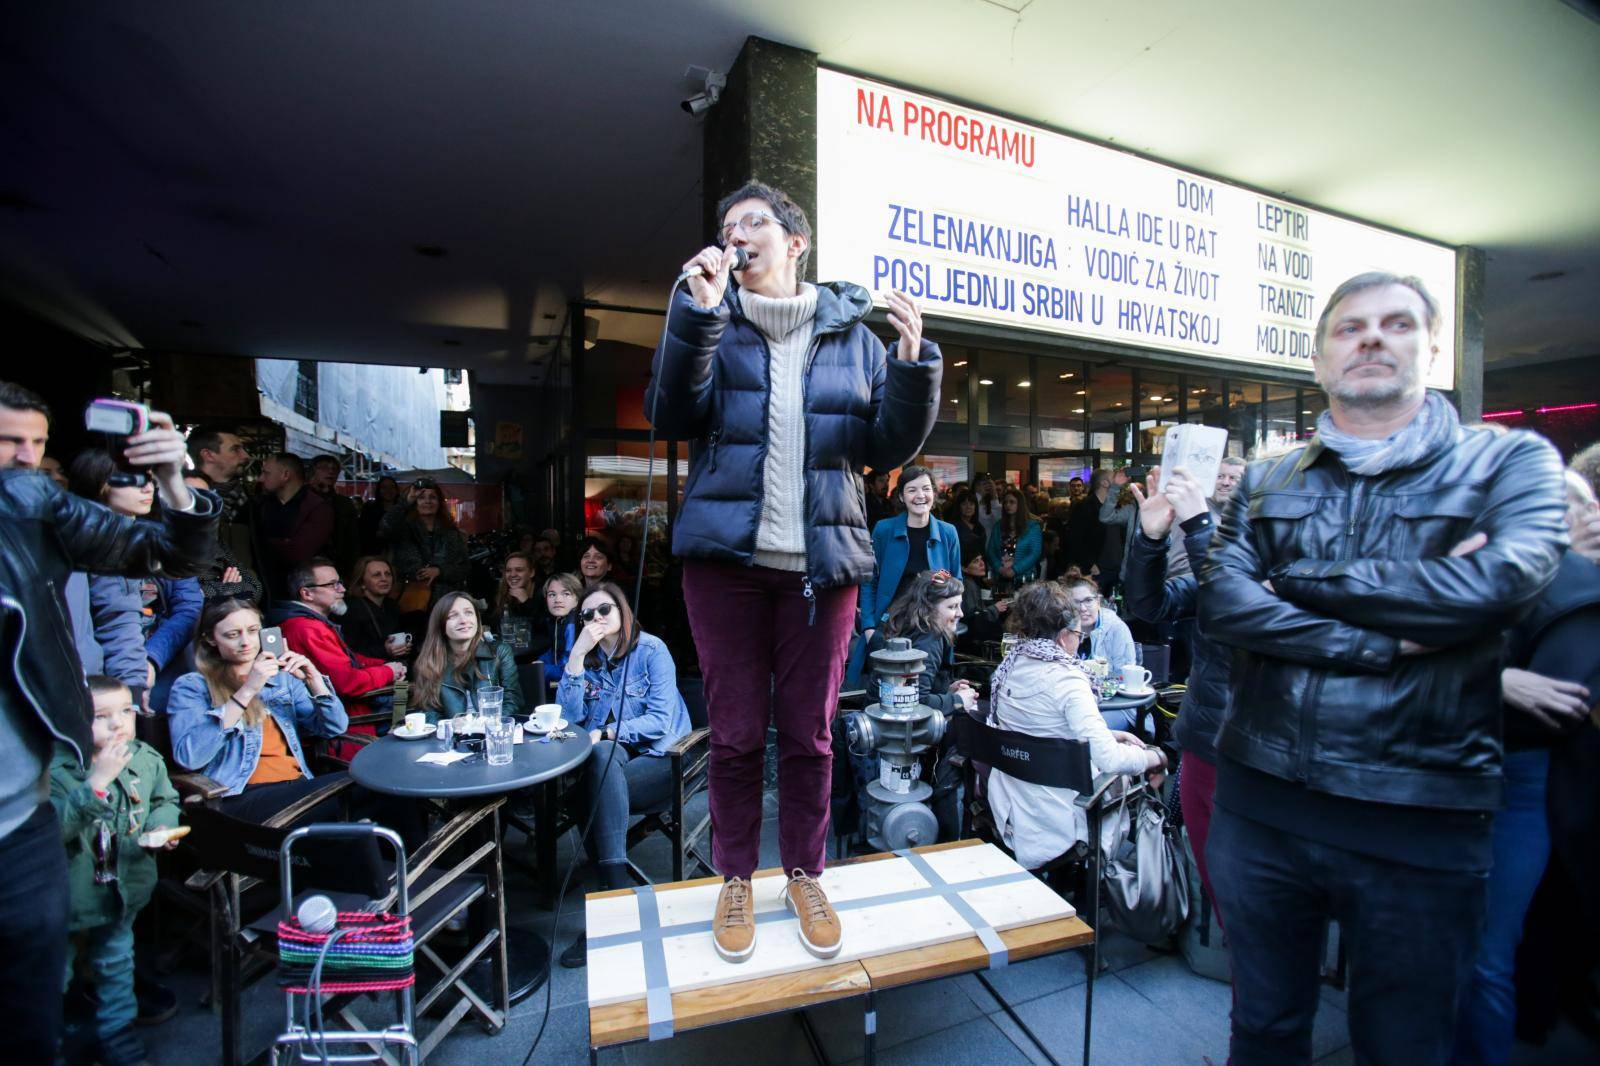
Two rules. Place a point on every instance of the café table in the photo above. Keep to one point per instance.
(1134, 705)
(390, 765)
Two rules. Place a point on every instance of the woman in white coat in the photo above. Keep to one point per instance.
(1041, 690)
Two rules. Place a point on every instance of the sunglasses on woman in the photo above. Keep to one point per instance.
(603, 610)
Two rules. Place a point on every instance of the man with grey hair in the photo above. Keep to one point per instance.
(1364, 581)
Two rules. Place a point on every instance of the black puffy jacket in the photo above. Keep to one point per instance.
(1319, 691)
(863, 407)
(1152, 596)
(46, 534)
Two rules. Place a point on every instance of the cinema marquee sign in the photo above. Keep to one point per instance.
(990, 220)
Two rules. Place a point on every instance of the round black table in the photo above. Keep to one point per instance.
(1133, 705)
(390, 765)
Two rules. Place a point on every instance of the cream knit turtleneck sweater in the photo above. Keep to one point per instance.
(786, 324)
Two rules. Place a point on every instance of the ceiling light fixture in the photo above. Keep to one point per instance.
(985, 381)
(1077, 410)
(1024, 384)
(963, 362)
(1082, 391)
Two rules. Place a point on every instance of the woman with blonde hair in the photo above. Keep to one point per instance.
(240, 715)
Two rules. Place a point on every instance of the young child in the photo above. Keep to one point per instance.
(125, 795)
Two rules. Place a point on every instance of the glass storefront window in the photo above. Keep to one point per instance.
(1158, 409)
(1282, 412)
(1061, 408)
(1003, 389)
(614, 473)
(953, 390)
(1203, 400)
(947, 470)
(1312, 404)
(1244, 417)
(1108, 399)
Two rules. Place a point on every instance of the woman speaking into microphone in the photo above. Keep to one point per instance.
(786, 397)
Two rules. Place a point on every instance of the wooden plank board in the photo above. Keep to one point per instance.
(616, 972)
(965, 956)
(620, 1023)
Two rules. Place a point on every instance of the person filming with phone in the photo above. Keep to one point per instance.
(45, 534)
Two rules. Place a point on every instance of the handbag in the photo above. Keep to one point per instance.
(415, 596)
(1146, 885)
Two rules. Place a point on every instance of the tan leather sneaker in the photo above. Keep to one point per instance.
(820, 930)
(733, 928)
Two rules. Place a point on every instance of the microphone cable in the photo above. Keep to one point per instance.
(622, 683)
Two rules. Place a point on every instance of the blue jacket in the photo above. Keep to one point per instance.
(169, 643)
(105, 610)
(1111, 640)
(229, 756)
(891, 547)
(650, 714)
(1030, 546)
(863, 407)
(1154, 597)
(564, 634)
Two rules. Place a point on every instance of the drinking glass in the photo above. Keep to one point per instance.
(499, 735)
(445, 731)
(490, 699)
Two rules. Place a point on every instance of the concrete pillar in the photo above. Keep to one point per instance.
(765, 127)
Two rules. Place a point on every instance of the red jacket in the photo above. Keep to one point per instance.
(353, 674)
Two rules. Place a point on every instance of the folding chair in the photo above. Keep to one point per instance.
(1056, 763)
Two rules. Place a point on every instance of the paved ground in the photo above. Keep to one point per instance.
(1148, 1009)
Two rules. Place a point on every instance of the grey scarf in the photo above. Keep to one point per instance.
(1033, 648)
(1431, 430)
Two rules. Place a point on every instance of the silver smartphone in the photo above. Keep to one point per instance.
(272, 642)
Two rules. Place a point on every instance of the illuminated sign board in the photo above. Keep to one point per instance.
(988, 220)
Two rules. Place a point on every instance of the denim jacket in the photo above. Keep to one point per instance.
(650, 715)
(229, 755)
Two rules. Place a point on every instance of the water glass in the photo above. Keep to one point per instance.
(499, 736)
(490, 699)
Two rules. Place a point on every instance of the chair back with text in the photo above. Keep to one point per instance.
(1053, 762)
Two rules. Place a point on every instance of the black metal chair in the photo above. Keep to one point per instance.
(1055, 763)
(239, 867)
(531, 677)
(691, 759)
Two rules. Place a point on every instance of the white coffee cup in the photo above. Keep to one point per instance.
(1134, 677)
(545, 716)
(397, 641)
(415, 720)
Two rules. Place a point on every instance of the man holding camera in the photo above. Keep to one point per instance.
(45, 534)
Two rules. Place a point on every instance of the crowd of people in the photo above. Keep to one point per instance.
(1388, 634)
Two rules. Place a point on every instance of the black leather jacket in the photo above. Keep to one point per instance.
(1320, 693)
(1154, 597)
(45, 534)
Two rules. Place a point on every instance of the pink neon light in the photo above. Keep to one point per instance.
(1502, 414)
(1565, 407)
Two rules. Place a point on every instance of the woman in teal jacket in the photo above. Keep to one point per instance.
(457, 658)
(1015, 543)
(902, 547)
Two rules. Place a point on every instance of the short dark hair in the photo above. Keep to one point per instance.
(908, 474)
(293, 462)
(784, 209)
(207, 438)
(99, 684)
(1042, 609)
(305, 575)
(1587, 465)
(327, 460)
(16, 398)
(1378, 279)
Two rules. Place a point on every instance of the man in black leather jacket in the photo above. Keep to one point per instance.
(45, 534)
(1365, 582)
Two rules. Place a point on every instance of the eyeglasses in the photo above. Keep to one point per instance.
(326, 585)
(750, 222)
(1081, 604)
(602, 609)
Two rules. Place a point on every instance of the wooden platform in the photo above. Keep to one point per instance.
(920, 931)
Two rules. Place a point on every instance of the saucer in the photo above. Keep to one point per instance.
(1136, 692)
(561, 723)
(405, 734)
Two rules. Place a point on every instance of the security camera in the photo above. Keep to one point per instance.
(708, 85)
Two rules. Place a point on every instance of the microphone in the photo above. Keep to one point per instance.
(741, 259)
(317, 914)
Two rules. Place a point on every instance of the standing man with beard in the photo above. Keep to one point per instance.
(1364, 582)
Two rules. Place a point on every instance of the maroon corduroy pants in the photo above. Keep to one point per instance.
(768, 655)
